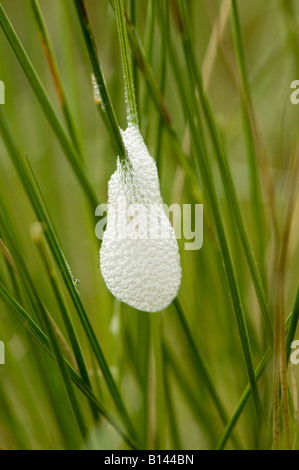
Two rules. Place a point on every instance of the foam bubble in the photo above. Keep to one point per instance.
(139, 269)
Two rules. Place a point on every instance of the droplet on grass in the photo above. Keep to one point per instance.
(96, 93)
(139, 256)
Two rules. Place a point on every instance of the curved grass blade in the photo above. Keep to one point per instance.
(255, 184)
(291, 325)
(47, 107)
(243, 400)
(201, 366)
(58, 255)
(44, 342)
(55, 347)
(227, 179)
(49, 54)
(200, 362)
(52, 276)
(156, 334)
(203, 167)
(198, 409)
(106, 104)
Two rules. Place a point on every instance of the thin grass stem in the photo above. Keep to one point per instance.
(132, 113)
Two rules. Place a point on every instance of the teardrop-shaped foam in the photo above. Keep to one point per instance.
(139, 256)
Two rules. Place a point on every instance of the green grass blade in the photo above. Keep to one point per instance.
(52, 276)
(132, 113)
(157, 97)
(62, 264)
(292, 325)
(198, 408)
(48, 50)
(57, 353)
(133, 16)
(156, 334)
(227, 179)
(250, 130)
(171, 411)
(106, 104)
(47, 107)
(202, 164)
(44, 342)
(243, 400)
(200, 363)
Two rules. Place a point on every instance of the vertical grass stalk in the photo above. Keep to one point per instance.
(132, 114)
(49, 54)
(106, 104)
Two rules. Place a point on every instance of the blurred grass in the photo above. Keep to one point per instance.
(181, 381)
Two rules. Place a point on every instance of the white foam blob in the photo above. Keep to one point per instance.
(139, 256)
